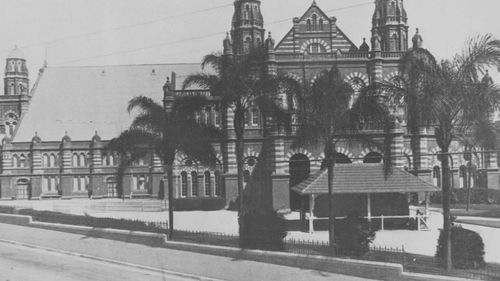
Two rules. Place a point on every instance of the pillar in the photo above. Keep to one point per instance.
(369, 207)
(311, 213)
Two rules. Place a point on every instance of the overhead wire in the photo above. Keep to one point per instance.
(191, 38)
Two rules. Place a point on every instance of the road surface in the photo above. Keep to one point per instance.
(126, 261)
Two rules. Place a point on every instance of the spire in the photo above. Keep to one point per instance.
(364, 47)
(270, 43)
(228, 45)
(417, 40)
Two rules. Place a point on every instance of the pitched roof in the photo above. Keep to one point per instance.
(363, 178)
(83, 100)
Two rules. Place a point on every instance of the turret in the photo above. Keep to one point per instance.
(390, 21)
(16, 81)
(247, 26)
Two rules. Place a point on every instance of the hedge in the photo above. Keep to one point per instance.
(56, 217)
(477, 196)
(200, 204)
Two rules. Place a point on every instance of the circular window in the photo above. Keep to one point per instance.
(188, 163)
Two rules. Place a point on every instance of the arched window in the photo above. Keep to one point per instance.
(436, 176)
(75, 160)
(247, 44)
(216, 118)
(316, 48)
(15, 161)
(23, 161)
(255, 117)
(82, 161)
(52, 160)
(321, 24)
(309, 25)
(45, 160)
(394, 42)
(208, 184)
(218, 191)
(12, 89)
(462, 174)
(314, 22)
(248, 118)
(194, 184)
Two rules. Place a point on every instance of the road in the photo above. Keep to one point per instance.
(125, 261)
(18, 263)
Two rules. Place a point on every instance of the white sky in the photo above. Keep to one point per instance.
(86, 32)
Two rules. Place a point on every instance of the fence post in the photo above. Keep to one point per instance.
(403, 256)
(418, 222)
(382, 222)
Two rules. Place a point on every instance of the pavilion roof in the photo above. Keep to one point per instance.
(363, 178)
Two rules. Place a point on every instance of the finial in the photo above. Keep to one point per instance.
(269, 34)
(314, 3)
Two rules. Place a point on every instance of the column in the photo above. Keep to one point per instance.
(311, 213)
(369, 207)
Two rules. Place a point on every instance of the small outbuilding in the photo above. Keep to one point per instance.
(362, 179)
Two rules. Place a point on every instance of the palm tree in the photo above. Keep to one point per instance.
(456, 103)
(241, 83)
(165, 133)
(327, 117)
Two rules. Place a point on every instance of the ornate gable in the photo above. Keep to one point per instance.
(314, 33)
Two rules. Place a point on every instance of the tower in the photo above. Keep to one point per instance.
(16, 81)
(390, 22)
(15, 99)
(247, 29)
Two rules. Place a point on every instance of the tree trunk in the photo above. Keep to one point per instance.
(240, 168)
(330, 158)
(415, 149)
(170, 179)
(445, 167)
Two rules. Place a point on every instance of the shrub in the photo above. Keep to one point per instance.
(262, 229)
(477, 196)
(7, 210)
(353, 235)
(200, 204)
(467, 248)
(55, 217)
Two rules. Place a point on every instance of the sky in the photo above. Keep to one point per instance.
(116, 32)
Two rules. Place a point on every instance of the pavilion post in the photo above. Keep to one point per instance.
(427, 204)
(311, 213)
(369, 207)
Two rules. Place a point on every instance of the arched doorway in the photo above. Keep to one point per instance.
(23, 189)
(300, 167)
(372, 158)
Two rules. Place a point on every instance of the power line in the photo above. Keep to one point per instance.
(193, 38)
(171, 17)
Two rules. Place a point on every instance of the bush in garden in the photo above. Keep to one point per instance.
(200, 204)
(263, 229)
(353, 235)
(467, 248)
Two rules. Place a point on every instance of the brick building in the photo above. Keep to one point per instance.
(55, 149)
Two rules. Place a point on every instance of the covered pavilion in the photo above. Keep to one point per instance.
(364, 178)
